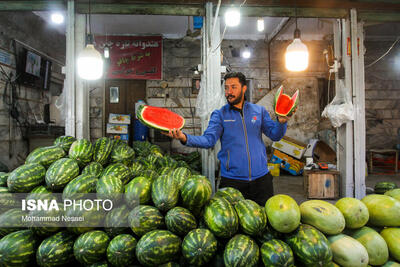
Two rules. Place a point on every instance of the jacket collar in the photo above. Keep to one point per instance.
(235, 108)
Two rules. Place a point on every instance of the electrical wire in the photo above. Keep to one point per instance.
(387, 52)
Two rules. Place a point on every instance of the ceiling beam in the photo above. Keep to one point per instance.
(270, 37)
(379, 16)
(32, 5)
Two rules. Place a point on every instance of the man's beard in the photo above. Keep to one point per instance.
(237, 100)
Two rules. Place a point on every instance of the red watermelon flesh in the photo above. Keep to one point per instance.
(284, 105)
(160, 118)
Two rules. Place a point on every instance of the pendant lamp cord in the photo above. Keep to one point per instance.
(90, 20)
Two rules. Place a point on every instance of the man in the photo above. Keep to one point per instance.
(240, 125)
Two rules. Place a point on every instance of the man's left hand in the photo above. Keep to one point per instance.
(284, 119)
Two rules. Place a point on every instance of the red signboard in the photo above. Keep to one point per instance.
(133, 57)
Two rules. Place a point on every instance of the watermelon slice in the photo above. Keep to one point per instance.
(284, 105)
(160, 118)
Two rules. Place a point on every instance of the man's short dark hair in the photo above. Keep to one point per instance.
(239, 75)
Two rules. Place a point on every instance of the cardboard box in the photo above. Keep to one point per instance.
(117, 128)
(119, 118)
(287, 163)
(122, 137)
(290, 146)
(321, 184)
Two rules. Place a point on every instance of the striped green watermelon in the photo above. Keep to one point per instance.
(48, 227)
(277, 253)
(102, 150)
(56, 250)
(80, 186)
(136, 168)
(147, 165)
(26, 177)
(92, 219)
(388, 216)
(180, 175)
(283, 213)
(142, 148)
(166, 161)
(99, 264)
(60, 173)
(117, 142)
(382, 187)
(82, 151)
(144, 219)
(347, 251)
(3, 178)
(195, 192)
(376, 246)
(231, 194)
(64, 142)
(221, 218)
(121, 250)
(241, 251)
(94, 168)
(119, 171)
(166, 171)
(138, 192)
(354, 211)
(116, 222)
(199, 247)
(10, 221)
(18, 249)
(123, 154)
(110, 187)
(268, 234)
(309, 246)
(152, 158)
(252, 217)
(180, 221)
(45, 156)
(158, 247)
(91, 247)
(40, 192)
(392, 238)
(8, 200)
(165, 193)
(149, 174)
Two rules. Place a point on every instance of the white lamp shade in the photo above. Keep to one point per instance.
(246, 53)
(296, 57)
(232, 17)
(90, 63)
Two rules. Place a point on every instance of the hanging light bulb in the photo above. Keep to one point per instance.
(296, 57)
(232, 17)
(57, 18)
(246, 52)
(106, 52)
(260, 24)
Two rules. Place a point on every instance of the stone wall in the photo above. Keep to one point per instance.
(30, 102)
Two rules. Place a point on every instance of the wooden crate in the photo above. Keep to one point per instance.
(321, 184)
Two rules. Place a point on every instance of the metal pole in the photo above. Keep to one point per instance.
(70, 71)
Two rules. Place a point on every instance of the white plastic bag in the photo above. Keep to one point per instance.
(61, 106)
(339, 111)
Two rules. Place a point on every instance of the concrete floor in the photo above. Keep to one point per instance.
(293, 185)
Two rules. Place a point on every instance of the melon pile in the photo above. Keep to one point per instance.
(169, 217)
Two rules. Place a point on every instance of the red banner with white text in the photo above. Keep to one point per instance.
(132, 57)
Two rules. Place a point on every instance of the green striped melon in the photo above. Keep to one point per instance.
(118, 170)
(8, 200)
(110, 187)
(149, 174)
(268, 234)
(354, 211)
(180, 221)
(136, 168)
(144, 219)
(382, 187)
(92, 219)
(94, 168)
(60, 173)
(221, 218)
(64, 142)
(391, 264)
(99, 264)
(347, 251)
(376, 246)
(122, 154)
(45, 156)
(180, 175)
(252, 218)
(18, 249)
(392, 238)
(276, 253)
(283, 213)
(166, 171)
(158, 247)
(195, 192)
(102, 150)
(82, 151)
(80, 186)
(322, 215)
(40, 192)
(165, 193)
(3, 178)
(231, 194)
(151, 158)
(383, 210)
(394, 193)
(166, 161)
(26, 177)
(309, 246)
(138, 192)
(116, 222)
(56, 250)
(241, 251)
(147, 165)
(48, 227)
(199, 247)
(121, 250)
(91, 247)
(10, 221)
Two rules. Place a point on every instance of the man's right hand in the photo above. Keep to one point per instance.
(176, 134)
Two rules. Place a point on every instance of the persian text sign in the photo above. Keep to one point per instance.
(133, 57)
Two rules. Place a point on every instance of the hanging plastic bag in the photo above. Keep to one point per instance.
(61, 106)
(339, 111)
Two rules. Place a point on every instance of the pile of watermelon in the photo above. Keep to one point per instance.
(172, 218)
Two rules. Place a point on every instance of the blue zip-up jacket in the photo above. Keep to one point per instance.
(242, 154)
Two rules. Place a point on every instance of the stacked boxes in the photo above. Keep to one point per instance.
(118, 126)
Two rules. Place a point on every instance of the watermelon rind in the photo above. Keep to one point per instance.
(143, 108)
(294, 99)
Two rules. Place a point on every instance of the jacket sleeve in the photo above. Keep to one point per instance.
(273, 129)
(210, 135)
